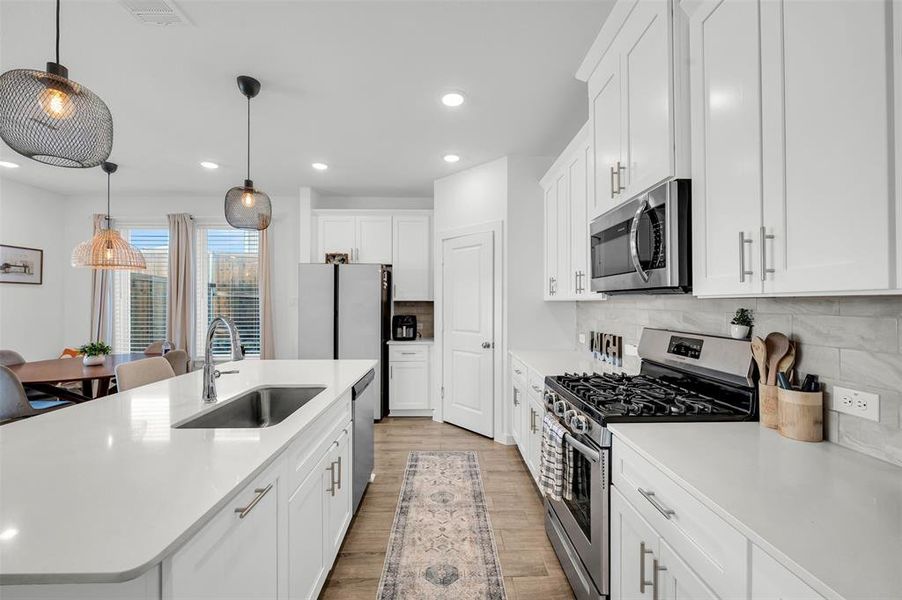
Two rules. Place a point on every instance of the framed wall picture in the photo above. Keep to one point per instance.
(337, 258)
(21, 265)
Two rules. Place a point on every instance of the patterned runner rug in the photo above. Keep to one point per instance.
(441, 545)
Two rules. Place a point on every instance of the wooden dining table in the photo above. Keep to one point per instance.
(46, 375)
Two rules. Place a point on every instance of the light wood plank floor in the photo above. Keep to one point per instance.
(530, 567)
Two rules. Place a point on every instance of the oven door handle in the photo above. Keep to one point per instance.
(589, 453)
(634, 239)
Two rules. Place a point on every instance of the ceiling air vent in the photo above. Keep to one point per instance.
(155, 12)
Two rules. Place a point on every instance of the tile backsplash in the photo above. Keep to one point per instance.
(854, 342)
(424, 314)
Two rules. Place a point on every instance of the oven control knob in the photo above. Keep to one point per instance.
(579, 424)
(560, 407)
(568, 416)
(550, 398)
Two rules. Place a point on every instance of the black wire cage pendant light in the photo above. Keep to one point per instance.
(47, 117)
(245, 206)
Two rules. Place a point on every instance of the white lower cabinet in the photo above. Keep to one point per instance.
(235, 555)
(518, 408)
(271, 538)
(677, 580)
(633, 547)
(772, 581)
(535, 412)
(408, 380)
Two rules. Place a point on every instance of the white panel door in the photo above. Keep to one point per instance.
(646, 47)
(374, 240)
(726, 147)
(551, 245)
(231, 557)
(605, 113)
(408, 386)
(307, 559)
(579, 223)
(412, 257)
(336, 234)
(825, 75)
(633, 547)
(677, 581)
(468, 327)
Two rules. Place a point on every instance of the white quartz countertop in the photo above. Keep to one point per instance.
(103, 491)
(830, 515)
(418, 341)
(558, 362)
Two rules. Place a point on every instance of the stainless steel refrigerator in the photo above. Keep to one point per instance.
(344, 311)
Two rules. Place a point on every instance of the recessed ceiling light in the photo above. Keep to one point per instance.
(451, 158)
(320, 166)
(453, 99)
(209, 165)
(8, 165)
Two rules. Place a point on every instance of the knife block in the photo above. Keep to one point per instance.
(801, 415)
(767, 405)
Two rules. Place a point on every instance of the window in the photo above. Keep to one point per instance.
(227, 286)
(139, 298)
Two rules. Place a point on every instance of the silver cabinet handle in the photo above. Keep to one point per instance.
(642, 582)
(518, 371)
(408, 353)
(576, 282)
(620, 170)
(537, 389)
(764, 237)
(391, 371)
(246, 510)
(332, 482)
(532, 420)
(742, 270)
(650, 496)
(656, 568)
(339, 472)
(614, 191)
(516, 397)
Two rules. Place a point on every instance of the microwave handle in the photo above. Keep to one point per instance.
(634, 239)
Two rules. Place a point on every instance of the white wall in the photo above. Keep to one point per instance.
(146, 210)
(477, 195)
(31, 316)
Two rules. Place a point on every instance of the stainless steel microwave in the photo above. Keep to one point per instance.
(644, 245)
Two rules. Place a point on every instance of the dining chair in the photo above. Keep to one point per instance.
(10, 357)
(178, 360)
(141, 372)
(38, 400)
(14, 404)
(157, 347)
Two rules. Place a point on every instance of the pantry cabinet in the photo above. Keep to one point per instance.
(782, 114)
(567, 186)
(636, 73)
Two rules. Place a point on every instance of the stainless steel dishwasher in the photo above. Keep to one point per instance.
(362, 398)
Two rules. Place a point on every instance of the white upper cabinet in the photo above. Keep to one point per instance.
(638, 101)
(336, 233)
(827, 123)
(567, 185)
(412, 257)
(726, 147)
(374, 240)
(791, 146)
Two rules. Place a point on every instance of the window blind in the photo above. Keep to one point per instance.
(227, 285)
(139, 298)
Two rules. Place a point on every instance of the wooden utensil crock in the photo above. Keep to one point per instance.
(801, 415)
(767, 405)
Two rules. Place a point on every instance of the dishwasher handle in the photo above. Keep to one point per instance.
(361, 385)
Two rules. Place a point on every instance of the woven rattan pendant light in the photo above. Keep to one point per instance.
(246, 207)
(47, 117)
(107, 250)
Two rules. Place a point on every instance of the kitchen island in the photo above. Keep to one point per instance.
(109, 499)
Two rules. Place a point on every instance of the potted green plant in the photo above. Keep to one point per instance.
(741, 324)
(94, 353)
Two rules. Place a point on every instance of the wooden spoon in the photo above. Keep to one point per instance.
(777, 346)
(786, 363)
(759, 351)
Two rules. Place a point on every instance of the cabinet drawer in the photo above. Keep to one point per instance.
(536, 383)
(518, 369)
(304, 452)
(407, 353)
(712, 547)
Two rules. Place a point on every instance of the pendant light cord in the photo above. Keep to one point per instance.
(108, 200)
(248, 137)
(57, 31)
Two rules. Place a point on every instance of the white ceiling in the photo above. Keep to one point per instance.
(352, 84)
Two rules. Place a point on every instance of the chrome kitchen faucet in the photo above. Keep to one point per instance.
(210, 373)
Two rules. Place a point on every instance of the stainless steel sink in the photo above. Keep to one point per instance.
(261, 408)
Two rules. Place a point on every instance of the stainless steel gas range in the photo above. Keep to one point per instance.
(683, 377)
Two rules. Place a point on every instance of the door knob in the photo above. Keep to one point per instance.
(486, 345)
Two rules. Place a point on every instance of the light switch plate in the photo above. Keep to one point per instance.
(582, 338)
(859, 404)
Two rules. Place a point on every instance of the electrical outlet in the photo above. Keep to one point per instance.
(859, 404)
(582, 338)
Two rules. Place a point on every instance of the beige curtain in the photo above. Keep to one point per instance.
(267, 347)
(180, 298)
(101, 295)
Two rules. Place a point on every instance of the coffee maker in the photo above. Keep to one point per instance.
(404, 327)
